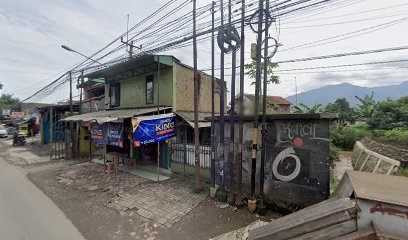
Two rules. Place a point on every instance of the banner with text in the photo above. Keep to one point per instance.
(107, 133)
(152, 129)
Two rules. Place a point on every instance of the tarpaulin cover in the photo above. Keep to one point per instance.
(153, 129)
(107, 133)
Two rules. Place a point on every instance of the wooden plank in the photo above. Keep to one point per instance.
(313, 225)
(330, 232)
(302, 217)
(344, 189)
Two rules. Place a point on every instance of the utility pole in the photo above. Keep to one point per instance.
(213, 190)
(71, 110)
(196, 130)
(252, 200)
(261, 207)
(238, 199)
(296, 91)
(231, 198)
(158, 112)
(221, 196)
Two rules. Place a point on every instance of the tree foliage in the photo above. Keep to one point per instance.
(390, 114)
(366, 106)
(7, 101)
(302, 108)
(250, 70)
(343, 108)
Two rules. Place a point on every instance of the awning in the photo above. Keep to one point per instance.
(113, 115)
(189, 118)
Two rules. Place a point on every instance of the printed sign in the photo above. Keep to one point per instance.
(152, 129)
(108, 134)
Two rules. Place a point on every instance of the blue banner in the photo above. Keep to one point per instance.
(108, 134)
(153, 129)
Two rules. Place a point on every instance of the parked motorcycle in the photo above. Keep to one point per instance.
(19, 139)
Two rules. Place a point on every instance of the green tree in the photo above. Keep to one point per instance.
(306, 109)
(250, 70)
(366, 106)
(7, 101)
(390, 114)
(342, 107)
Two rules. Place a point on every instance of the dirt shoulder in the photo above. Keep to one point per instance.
(94, 220)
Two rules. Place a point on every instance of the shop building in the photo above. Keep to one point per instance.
(144, 89)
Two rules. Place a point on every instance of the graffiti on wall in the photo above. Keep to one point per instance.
(292, 161)
(389, 211)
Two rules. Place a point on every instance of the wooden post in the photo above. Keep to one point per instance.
(50, 129)
(185, 150)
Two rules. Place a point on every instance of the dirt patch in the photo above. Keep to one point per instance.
(87, 210)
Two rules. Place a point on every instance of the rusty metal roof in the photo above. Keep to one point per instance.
(189, 118)
(113, 115)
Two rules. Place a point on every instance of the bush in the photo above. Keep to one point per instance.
(347, 137)
(333, 153)
(396, 135)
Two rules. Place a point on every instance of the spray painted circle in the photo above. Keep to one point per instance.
(287, 153)
(298, 142)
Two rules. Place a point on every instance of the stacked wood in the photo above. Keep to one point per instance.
(326, 220)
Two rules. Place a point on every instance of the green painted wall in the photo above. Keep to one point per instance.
(133, 90)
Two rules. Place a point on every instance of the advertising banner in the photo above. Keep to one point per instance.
(153, 129)
(107, 134)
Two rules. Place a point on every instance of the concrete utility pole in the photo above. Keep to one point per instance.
(252, 200)
(221, 196)
(261, 206)
(196, 93)
(213, 190)
(238, 199)
(231, 158)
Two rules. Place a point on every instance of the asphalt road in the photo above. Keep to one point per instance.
(26, 213)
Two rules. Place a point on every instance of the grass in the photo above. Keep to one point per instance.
(333, 185)
(403, 172)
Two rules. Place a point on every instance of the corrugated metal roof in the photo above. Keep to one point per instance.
(112, 115)
(189, 118)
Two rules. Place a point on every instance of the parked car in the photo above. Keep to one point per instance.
(3, 131)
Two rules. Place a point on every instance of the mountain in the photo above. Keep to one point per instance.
(329, 94)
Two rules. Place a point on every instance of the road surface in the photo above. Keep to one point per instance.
(26, 213)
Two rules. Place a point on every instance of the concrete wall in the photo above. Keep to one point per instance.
(184, 91)
(303, 182)
(133, 89)
(364, 159)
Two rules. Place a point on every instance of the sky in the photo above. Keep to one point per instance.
(33, 31)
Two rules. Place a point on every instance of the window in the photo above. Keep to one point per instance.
(114, 94)
(149, 89)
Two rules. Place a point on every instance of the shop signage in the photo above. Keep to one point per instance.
(107, 133)
(152, 129)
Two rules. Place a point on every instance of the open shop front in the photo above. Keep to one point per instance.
(151, 139)
(135, 144)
